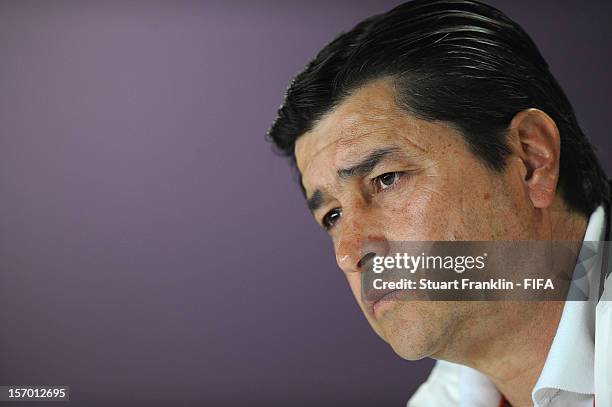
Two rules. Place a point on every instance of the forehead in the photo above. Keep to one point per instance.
(368, 118)
(355, 116)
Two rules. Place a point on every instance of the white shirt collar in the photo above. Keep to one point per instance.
(570, 361)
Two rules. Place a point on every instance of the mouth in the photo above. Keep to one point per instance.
(377, 300)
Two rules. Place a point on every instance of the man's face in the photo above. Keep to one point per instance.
(372, 172)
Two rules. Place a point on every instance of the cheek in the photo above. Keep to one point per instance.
(457, 206)
(419, 211)
(485, 208)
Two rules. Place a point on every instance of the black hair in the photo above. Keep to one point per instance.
(457, 61)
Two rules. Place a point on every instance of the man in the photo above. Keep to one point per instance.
(440, 121)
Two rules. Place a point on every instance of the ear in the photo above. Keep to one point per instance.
(539, 149)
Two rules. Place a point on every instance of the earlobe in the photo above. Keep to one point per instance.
(539, 148)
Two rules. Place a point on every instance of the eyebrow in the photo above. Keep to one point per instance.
(365, 166)
(315, 201)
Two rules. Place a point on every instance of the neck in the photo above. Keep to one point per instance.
(510, 341)
(516, 358)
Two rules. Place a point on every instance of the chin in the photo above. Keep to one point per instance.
(411, 348)
(411, 333)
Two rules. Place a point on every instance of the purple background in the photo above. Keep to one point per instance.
(153, 251)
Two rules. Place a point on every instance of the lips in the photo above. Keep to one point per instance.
(374, 297)
(370, 295)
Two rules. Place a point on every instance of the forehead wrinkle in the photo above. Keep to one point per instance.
(386, 126)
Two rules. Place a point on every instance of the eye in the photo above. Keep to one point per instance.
(387, 180)
(331, 217)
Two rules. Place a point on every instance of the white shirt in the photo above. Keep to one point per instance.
(568, 376)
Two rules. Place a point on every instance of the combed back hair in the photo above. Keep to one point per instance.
(456, 61)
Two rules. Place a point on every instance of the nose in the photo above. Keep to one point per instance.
(358, 243)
